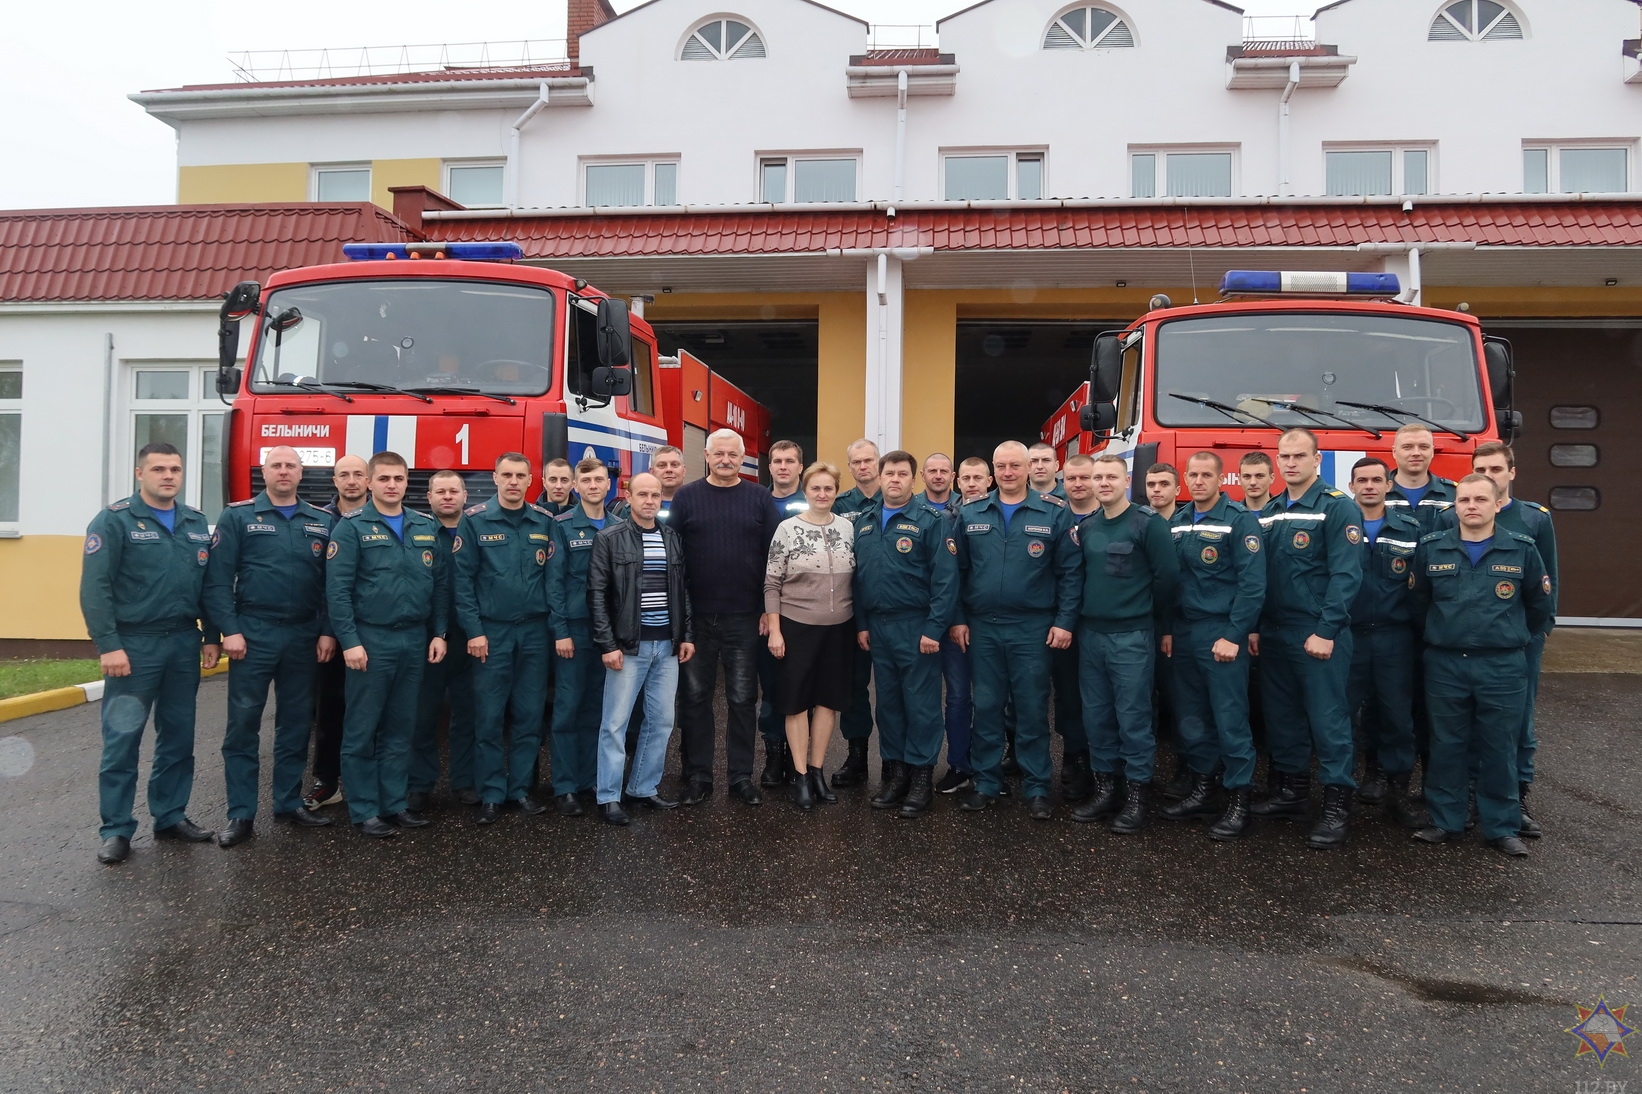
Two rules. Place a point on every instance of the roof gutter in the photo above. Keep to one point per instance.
(510, 191)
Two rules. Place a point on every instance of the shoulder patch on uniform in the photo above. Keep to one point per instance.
(1432, 537)
(1442, 481)
(350, 516)
(1052, 499)
(1145, 509)
(1236, 506)
(1535, 505)
(1354, 534)
(330, 552)
(1333, 493)
(477, 508)
(568, 514)
(94, 543)
(539, 509)
(117, 506)
(237, 504)
(1518, 536)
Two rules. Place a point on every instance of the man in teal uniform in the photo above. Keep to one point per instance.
(1414, 488)
(1022, 580)
(503, 552)
(855, 724)
(387, 586)
(140, 593)
(1481, 593)
(1222, 589)
(906, 592)
(447, 685)
(1313, 538)
(264, 589)
(578, 698)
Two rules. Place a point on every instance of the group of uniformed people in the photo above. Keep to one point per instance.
(1404, 621)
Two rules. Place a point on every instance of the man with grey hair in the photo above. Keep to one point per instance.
(725, 525)
(856, 722)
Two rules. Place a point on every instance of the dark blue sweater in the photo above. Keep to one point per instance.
(726, 532)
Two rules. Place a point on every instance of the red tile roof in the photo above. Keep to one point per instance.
(898, 57)
(759, 231)
(444, 75)
(173, 252)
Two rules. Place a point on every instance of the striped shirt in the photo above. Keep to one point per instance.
(654, 623)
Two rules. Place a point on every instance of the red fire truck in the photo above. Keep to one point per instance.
(1334, 352)
(451, 354)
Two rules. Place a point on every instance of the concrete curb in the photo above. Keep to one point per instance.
(44, 702)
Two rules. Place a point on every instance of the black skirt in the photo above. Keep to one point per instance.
(819, 667)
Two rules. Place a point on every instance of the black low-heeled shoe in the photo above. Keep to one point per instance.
(803, 791)
(823, 790)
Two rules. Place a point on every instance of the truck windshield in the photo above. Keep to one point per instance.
(1315, 360)
(462, 335)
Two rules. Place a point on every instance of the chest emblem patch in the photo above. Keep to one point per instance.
(952, 547)
(1399, 565)
(427, 558)
(1302, 540)
(1505, 590)
(1035, 548)
(1209, 555)
(904, 545)
(204, 556)
(319, 548)
(541, 556)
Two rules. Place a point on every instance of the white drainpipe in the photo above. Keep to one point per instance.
(900, 132)
(510, 197)
(1284, 189)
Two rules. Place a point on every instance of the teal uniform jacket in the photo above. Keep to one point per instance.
(910, 565)
(1314, 561)
(1382, 600)
(852, 503)
(1222, 567)
(266, 566)
(567, 579)
(1534, 521)
(372, 578)
(1031, 567)
(502, 564)
(1501, 603)
(1130, 573)
(138, 578)
(1436, 501)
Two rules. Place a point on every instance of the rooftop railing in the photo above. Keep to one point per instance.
(264, 65)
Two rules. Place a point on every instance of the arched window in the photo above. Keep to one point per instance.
(722, 39)
(1088, 27)
(1475, 21)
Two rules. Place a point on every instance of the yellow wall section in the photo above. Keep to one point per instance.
(929, 358)
(40, 587)
(242, 182)
(386, 173)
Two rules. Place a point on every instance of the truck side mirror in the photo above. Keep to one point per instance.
(1098, 418)
(237, 303)
(1496, 355)
(608, 382)
(615, 336)
(1106, 367)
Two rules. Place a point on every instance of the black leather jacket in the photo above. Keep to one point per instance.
(613, 587)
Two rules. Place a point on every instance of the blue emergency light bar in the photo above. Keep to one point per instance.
(470, 252)
(1263, 282)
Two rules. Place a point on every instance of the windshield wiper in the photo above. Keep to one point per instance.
(387, 388)
(1393, 411)
(319, 388)
(1317, 416)
(460, 389)
(1229, 411)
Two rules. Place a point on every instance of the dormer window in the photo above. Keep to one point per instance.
(1475, 21)
(722, 39)
(1088, 27)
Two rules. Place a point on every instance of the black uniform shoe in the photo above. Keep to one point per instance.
(653, 802)
(417, 801)
(527, 805)
(1531, 828)
(377, 828)
(184, 831)
(1472, 817)
(1330, 830)
(238, 831)
(407, 819)
(1135, 812)
(1375, 784)
(818, 786)
(854, 771)
(954, 781)
(1103, 800)
(973, 801)
(115, 849)
(1076, 780)
(1234, 822)
(468, 796)
(1509, 845)
(569, 805)
(777, 762)
(1290, 798)
(1181, 785)
(491, 812)
(803, 791)
(694, 793)
(612, 813)
(746, 791)
(920, 791)
(1009, 767)
(1398, 807)
(1203, 803)
(1433, 834)
(897, 780)
(1038, 808)
(303, 819)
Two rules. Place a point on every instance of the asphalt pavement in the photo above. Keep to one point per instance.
(740, 948)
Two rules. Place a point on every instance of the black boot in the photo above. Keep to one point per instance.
(1290, 798)
(1398, 807)
(1181, 785)
(1009, 767)
(1076, 780)
(1330, 830)
(897, 780)
(777, 762)
(919, 792)
(1103, 800)
(1202, 803)
(1234, 822)
(1135, 811)
(823, 792)
(1375, 783)
(854, 771)
(803, 791)
(1531, 828)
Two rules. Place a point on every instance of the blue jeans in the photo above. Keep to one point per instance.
(652, 671)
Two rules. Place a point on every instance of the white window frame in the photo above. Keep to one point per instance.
(1099, 43)
(1160, 169)
(202, 400)
(793, 159)
(1399, 172)
(318, 169)
(650, 163)
(1014, 155)
(1478, 35)
(499, 165)
(1553, 161)
(10, 529)
(753, 31)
